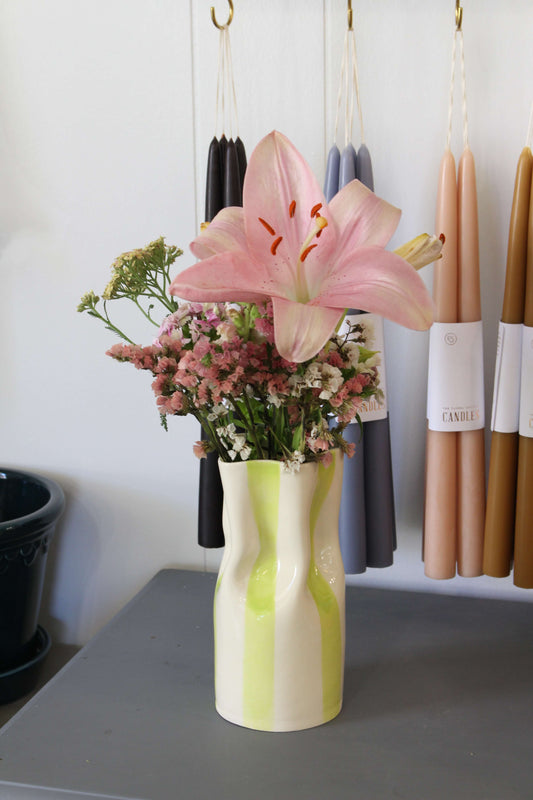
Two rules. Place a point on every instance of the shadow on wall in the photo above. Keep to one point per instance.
(109, 543)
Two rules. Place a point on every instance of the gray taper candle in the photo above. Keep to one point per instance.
(379, 490)
(331, 182)
(367, 526)
(352, 519)
(364, 167)
(348, 166)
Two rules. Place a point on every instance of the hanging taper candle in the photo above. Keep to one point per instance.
(455, 470)
(523, 548)
(440, 522)
(367, 523)
(501, 494)
(226, 166)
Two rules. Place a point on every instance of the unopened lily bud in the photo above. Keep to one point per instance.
(421, 250)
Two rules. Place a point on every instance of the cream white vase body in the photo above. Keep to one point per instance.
(279, 599)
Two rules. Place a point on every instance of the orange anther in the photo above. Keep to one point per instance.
(306, 252)
(269, 228)
(275, 244)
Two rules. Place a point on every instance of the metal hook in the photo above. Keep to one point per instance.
(350, 16)
(230, 17)
(458, 16)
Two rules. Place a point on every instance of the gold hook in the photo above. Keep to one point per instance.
(350, 16)
(230, 17)
(458, 16)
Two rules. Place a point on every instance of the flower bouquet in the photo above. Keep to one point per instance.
(262, 356)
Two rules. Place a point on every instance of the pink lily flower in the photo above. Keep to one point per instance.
(312, 259)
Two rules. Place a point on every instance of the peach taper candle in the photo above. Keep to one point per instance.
(501, 494)
(470, 443)
(440, 528)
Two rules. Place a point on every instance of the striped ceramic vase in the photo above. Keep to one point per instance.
(279, 600)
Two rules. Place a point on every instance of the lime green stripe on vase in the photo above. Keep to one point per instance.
(326, 603)
(259, 634)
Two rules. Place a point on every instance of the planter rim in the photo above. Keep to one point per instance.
(37, 520)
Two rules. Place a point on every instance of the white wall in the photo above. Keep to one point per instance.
(106, 112)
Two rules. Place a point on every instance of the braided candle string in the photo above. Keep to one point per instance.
(457, 33)
(227, 111)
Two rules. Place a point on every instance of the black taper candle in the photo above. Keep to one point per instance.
(241, 157)
(210, 496)
(232, 182)
(213, 188)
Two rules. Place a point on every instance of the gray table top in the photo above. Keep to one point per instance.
(438, 704)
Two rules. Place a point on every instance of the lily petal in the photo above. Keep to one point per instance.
(223, 278)
(281, 190)
(373, 279)
(363, 218)
(225, 232)
(301, 329)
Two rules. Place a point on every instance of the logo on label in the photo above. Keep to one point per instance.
(460, 415)
(450, 338)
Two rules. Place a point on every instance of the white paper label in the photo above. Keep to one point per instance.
(506, 398)
(455, 379)
(373, 408)
(526, 383)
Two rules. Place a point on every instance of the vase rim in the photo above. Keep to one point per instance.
(270, 461)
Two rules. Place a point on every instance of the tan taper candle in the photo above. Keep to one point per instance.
(440, 529)
(501, 494)
(523, 548)
(470, 444)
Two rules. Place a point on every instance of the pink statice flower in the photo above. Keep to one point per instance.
(200, 449)
(220, 363)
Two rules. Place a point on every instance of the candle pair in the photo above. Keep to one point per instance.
(226, 167)
(509, 521)
(367, 526)
(455, 460)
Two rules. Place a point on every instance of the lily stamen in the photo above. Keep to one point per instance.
(306, 252)
(265, 224)
(320, 224)
(275, 244)
(316, 208)
(292, 208)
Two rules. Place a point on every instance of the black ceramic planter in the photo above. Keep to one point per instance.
(30, 506)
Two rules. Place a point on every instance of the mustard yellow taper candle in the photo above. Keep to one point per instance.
(523, 548)
(501, 493)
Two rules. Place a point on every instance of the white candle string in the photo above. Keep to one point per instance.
(463, 88)
(219, 105)
(226, 115)
(530, 128)
(348, 90)
(463, 80)
(233, 93)
(341, 84)
(450, 104)
(357, 92)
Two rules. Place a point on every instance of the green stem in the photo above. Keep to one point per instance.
(258, 447)
(109, 325)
